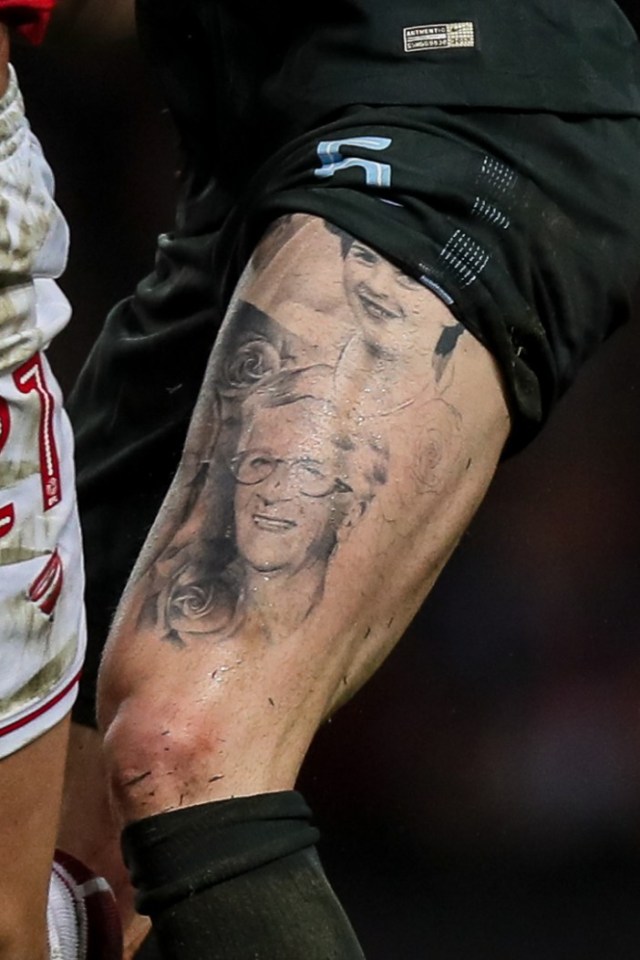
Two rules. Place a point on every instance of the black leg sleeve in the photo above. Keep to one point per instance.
(237, 880)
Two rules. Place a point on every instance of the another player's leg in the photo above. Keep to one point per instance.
(45, 914)
(30, 791)
(88, 829)
(42, 914)
(336, 455)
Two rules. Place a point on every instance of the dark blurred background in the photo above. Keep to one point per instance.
(481, 797)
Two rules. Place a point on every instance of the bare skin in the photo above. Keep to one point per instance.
(210, 687)
(88, 830)
(28, 827)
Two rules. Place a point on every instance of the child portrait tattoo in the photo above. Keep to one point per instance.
(299, 450)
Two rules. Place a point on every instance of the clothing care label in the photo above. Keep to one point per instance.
(439, 36)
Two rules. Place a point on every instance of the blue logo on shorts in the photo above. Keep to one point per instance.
(376, 174)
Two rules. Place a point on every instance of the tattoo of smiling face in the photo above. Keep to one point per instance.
(301, 480)
(384, 301)
(295, 462)
(389, 305)
(296, 475)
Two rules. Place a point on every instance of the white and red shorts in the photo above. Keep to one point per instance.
(42, 630)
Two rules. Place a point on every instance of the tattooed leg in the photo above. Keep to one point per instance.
(345, 434)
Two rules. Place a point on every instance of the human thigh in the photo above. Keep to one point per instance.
(245, 624)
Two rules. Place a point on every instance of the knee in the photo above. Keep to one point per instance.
(200, 723)
(159, 733)
(157, 755)
(168, 749)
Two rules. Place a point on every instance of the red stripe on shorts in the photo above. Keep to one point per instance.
(38, 712)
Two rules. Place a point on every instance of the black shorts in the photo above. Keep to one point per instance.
(525, 223)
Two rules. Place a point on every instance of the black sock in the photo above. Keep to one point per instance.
(237, 880)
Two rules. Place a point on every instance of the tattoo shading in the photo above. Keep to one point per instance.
(445, 347)
(439, 446)
(296, 449)
(287, 481)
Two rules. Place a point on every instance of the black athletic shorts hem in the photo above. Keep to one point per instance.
(526, 225)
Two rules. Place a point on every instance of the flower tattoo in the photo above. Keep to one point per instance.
(250, 365)
(197, 605)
